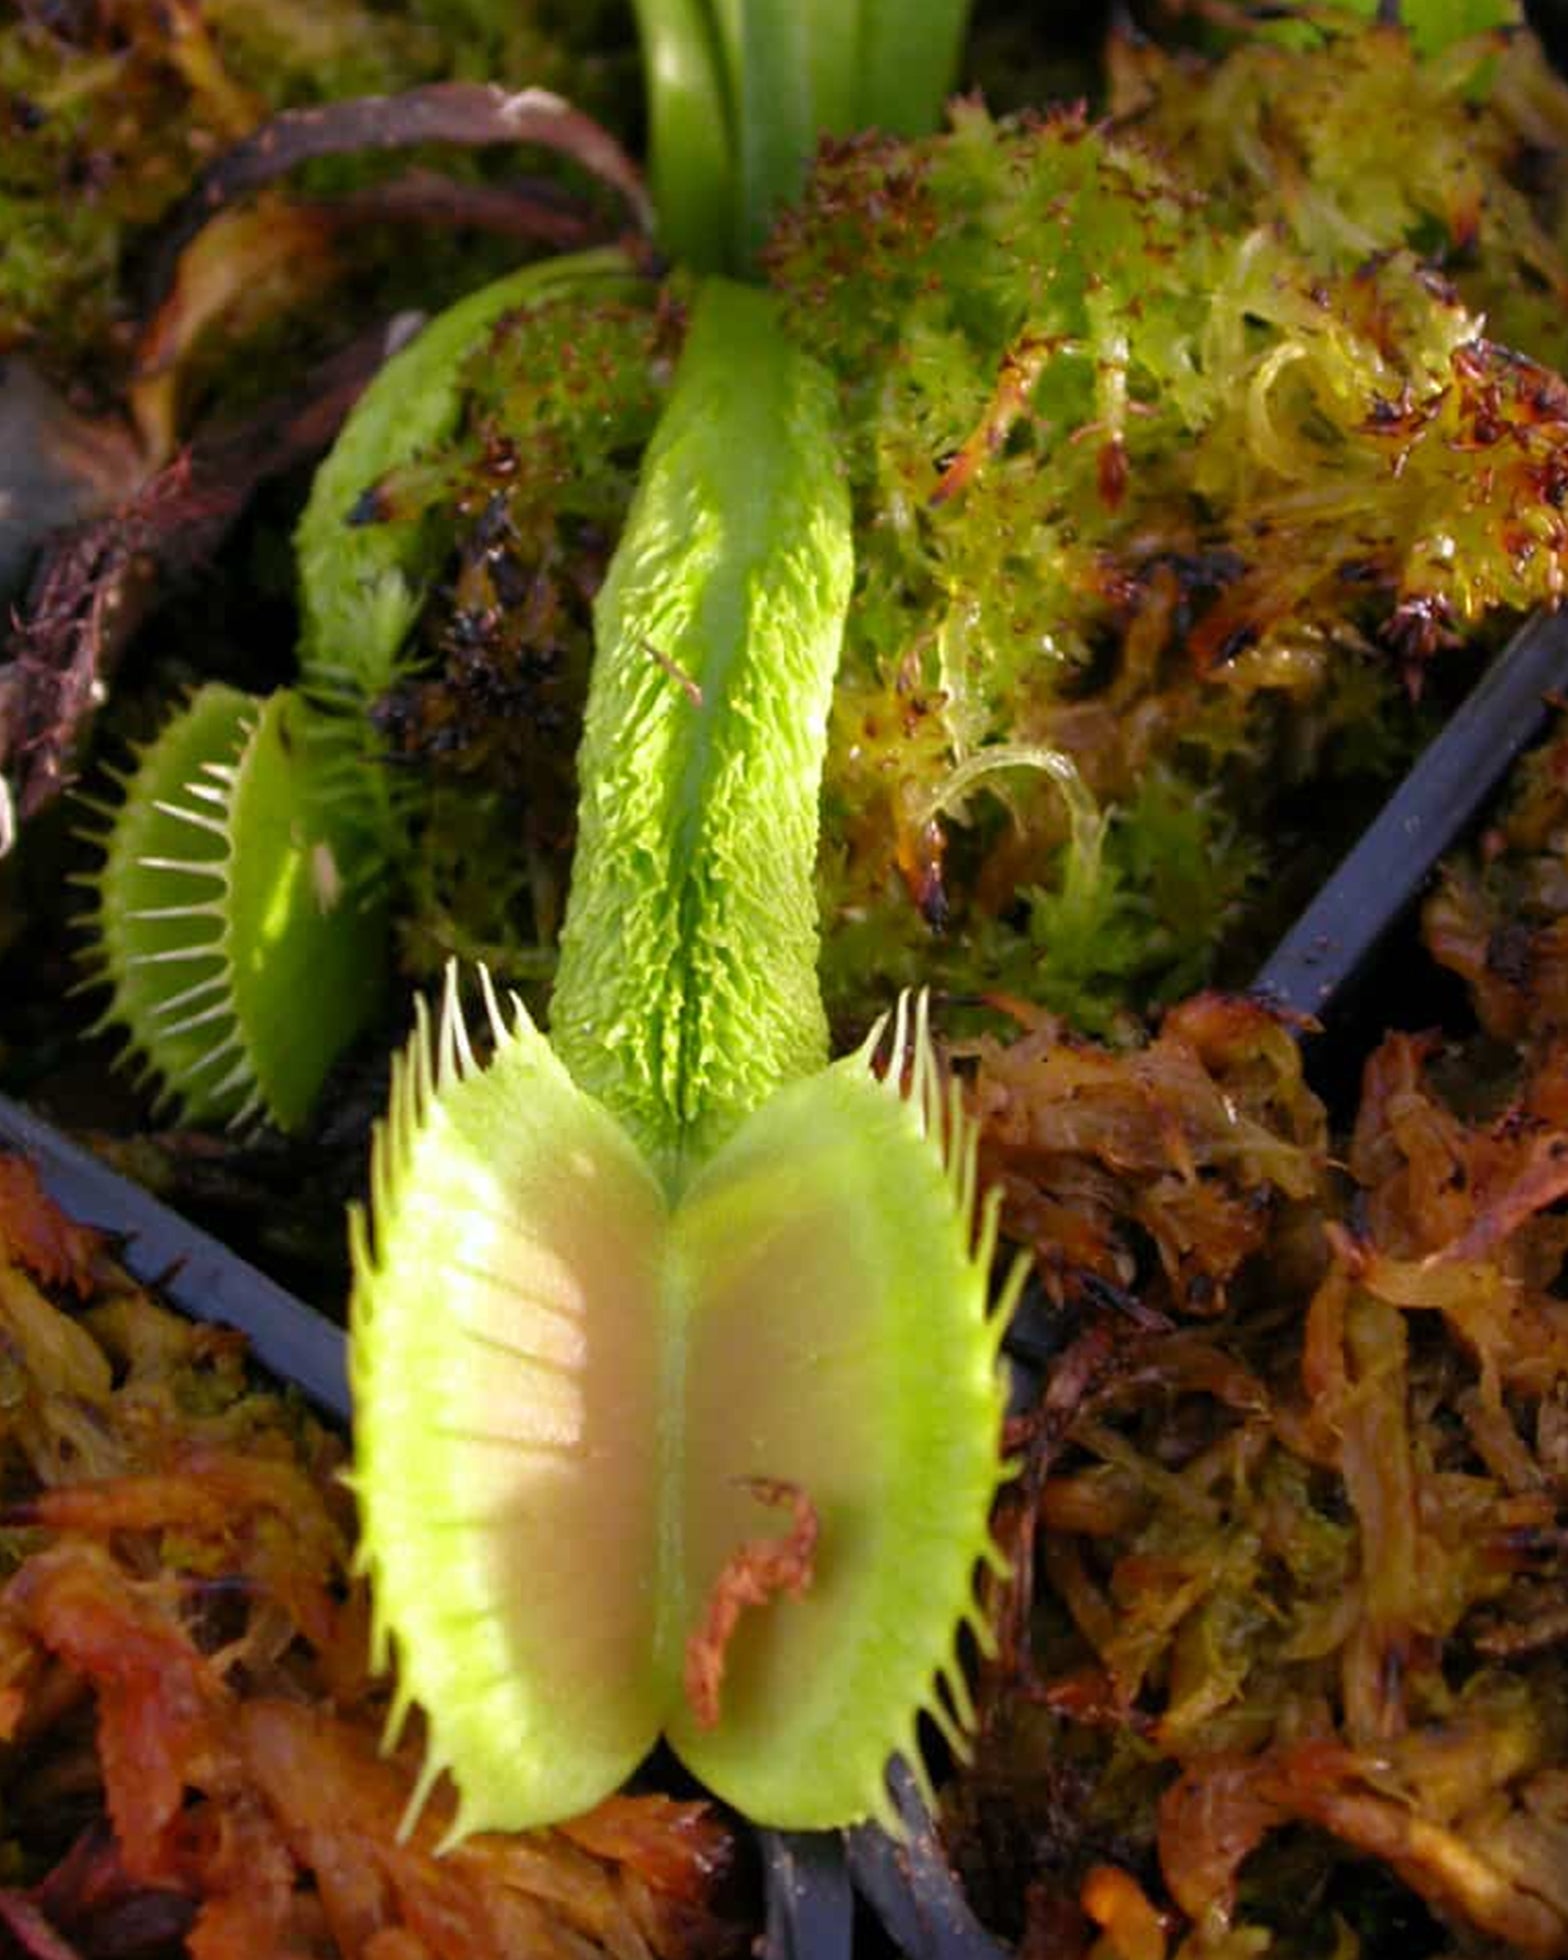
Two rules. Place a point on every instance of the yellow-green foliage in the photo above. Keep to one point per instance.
(1356, 144)
(1174, 454)
(1142, 482)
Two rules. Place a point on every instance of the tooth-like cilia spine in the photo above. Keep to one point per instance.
(227, 919)
(618, 1282)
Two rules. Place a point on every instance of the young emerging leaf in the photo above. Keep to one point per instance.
(690, 133)
(687, 987)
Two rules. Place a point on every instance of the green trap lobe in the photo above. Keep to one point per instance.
(838, 1342)
(506, 1372)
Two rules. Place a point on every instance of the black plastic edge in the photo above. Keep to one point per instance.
(1391, 861)
(198, 1273)
(811, 1913)
(911, 1887)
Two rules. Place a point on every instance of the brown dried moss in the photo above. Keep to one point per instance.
(190, 1754)
(1287, 1653)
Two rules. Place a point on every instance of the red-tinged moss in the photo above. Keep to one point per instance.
(1166, 1167)
(1144, 482)
(1359, 143)
(37, 1236)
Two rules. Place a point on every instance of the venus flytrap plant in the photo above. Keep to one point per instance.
(740, 91)
(627, 1288)
(245, 865)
